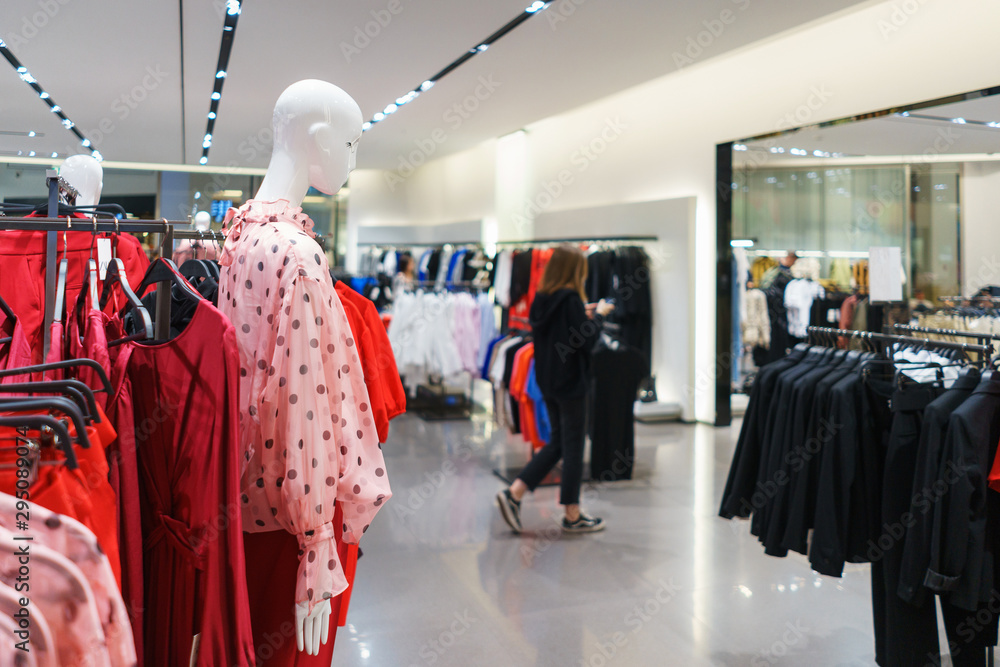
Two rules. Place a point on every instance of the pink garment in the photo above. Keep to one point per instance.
(465, 331)
(64, 597)
(305, 423)
(42, 644)
(72, 539)
(10, 655)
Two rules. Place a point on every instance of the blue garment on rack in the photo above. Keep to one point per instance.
(489, 353)
(422, 266)
(361, 285)
(541, 410)
(456, 261)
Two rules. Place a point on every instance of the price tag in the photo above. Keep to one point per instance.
(103, 257)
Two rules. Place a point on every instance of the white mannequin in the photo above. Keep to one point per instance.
(202, 220)
(316, 130)
(86, 175)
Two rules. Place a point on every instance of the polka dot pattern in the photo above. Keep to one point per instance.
(299, 363)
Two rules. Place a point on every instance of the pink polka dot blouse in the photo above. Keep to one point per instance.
(306, 428)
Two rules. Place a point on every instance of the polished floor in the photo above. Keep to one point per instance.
(444, 582)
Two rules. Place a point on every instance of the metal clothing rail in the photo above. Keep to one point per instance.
(977, 297)
(891, 338)
(53, 225)
(947, 332)
(583, 239)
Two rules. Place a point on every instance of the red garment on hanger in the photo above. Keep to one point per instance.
(379, 364)
(124, 478)
(518, 390)
(392, 383)
(22, 274)
(184, 394)
(92, 343)
(518, 314)
(16, 353)
(83, 494)
(370, 365)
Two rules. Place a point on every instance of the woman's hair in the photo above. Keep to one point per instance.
(405, 261)
(567, 269)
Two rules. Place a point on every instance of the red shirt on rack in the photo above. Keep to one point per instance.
(22, 273)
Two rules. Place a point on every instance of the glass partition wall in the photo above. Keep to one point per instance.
(174, 195)
(831, 192)
(840, 213)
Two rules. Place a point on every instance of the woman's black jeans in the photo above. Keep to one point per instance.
(568, 424)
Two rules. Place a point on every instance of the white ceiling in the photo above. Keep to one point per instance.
(891, 135)
(95, 57)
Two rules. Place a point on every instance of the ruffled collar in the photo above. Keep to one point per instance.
(255, 211)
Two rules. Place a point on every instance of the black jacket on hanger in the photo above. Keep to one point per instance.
(616, 377)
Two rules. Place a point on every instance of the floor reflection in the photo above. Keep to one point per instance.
(443, 582)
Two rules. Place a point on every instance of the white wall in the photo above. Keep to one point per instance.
(657, 140)
(671, 222)
(980, 199)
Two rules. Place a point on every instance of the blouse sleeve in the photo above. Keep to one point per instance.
(325, 448)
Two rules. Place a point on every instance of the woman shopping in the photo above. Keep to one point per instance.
(564, 330)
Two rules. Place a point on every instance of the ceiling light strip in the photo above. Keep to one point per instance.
(233, 10)
(26, 76)
(391, 108)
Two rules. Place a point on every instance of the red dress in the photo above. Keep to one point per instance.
(184, 398)
(124, 478)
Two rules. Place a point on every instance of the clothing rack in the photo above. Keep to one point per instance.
(982, 337)
(985, 350)
(976, 297)
(53, 225)
(582, 239)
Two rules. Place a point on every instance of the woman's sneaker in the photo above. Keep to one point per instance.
(510, 510)
(583, 524)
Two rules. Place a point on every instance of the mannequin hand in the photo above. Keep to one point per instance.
(604, 308)
(312, 630)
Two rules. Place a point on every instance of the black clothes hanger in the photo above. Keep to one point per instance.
(61, 365)
(195, 268)
(50, 404)
(164, 270)
(39, 422)
(75, 390)
(116, 276)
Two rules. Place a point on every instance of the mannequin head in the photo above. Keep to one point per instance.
(316, 129)
(202, 220)
(86, 175)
